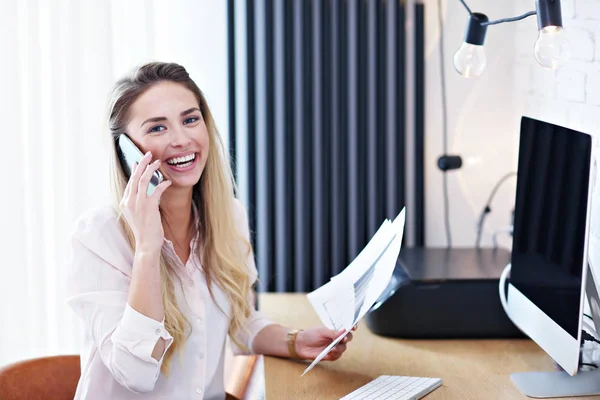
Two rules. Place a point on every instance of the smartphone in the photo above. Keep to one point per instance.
(130, 154)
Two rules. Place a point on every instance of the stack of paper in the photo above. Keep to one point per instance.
(345, 300)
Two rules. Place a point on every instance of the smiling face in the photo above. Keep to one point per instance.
(166, 120)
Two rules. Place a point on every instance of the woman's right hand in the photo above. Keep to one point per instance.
(140, 210)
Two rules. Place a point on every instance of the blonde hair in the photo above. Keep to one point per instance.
(223, 259)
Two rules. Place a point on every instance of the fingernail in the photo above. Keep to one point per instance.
(147, 154)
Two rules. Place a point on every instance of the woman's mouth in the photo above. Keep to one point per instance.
(183, 163)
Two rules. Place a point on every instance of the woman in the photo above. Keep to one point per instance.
(160, 281)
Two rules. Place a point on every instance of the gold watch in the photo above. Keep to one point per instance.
(291, 336)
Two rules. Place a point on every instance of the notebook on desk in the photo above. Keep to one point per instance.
(395, 388)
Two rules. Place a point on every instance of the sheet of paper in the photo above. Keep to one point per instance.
(352, 293)
(330, 301)
(360, 305)
(368, 254)
(384, 268)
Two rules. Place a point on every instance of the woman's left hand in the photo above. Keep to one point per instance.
(311, 342)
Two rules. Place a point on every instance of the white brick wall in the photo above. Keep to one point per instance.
(592, 88)
(568, 9)
(597, 43)
(570, 85)
(587, 9)
(581, 40)
(573, 86)
(571, 95)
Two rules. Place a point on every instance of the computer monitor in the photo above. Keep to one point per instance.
(549, 261)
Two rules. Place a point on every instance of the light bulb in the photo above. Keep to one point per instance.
(551, 48)
(470, 60)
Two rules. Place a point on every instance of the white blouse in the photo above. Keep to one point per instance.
(117, 341)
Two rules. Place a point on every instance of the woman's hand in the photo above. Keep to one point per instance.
(141, 210)
(311, 342)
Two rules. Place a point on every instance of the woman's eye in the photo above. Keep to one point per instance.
(158, 128)
(190, 120)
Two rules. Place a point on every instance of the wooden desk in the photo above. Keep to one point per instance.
(469, 369)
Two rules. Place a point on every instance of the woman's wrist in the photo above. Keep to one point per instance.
(294, 343)
(146, 256)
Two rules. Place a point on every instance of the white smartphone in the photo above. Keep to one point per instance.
(130, 154)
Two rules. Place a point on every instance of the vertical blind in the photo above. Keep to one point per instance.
(324, 113)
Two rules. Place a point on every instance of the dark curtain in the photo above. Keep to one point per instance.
(326, 122)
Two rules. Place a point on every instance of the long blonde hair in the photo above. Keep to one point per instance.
(222, 248)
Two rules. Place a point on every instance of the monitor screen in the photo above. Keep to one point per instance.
(550, 219)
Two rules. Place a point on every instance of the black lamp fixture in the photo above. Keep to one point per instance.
(551, 48)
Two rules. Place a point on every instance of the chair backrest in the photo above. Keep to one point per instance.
(40, 378)
(240, 376)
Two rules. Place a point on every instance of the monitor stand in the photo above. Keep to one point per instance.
(559, 383)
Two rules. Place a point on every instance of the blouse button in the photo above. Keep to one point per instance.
(157, 331)
(199, 391)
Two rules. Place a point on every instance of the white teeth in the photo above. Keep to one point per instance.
(187, 164)
(184, 159)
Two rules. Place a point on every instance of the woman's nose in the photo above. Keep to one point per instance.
(179, 138)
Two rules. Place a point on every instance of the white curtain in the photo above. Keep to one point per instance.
(58, 60)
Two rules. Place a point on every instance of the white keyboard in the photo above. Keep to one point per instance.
(395, 388)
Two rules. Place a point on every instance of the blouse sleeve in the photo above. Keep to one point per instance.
(98, 290)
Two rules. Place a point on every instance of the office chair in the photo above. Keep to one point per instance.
(243, 372)
(40, 378)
